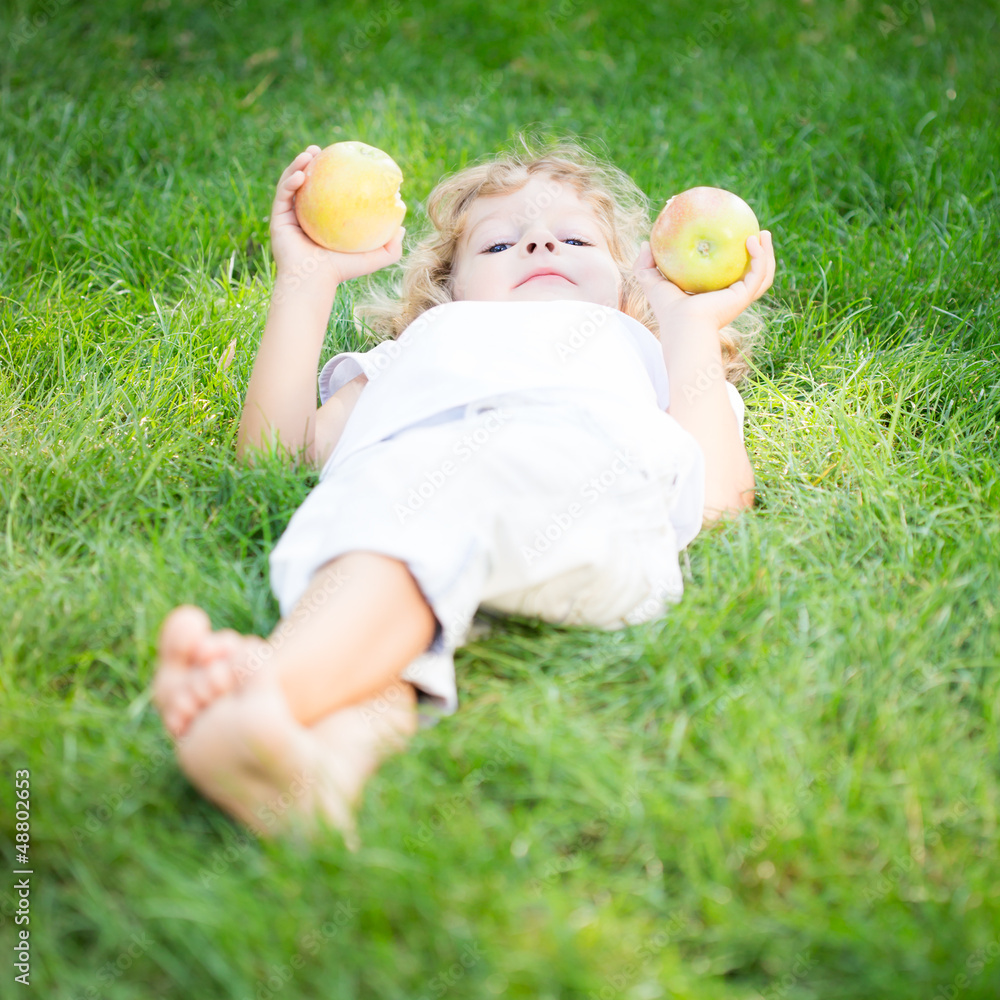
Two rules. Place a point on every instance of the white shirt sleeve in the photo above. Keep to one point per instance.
(341, 368)
(336, 373)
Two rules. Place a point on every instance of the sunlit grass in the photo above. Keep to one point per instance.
(787, 787)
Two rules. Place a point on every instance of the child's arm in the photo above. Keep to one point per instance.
(332, 418)
(699, 401)
(280, 405)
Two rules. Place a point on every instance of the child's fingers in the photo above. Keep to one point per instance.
(758, 279)
(282, 208)
(371, 261)
(292, 177)
(299, 162)
(768, 243)
(388, 253)
(766, 259)
(645, 268)
(645, 258)
(290, 183)
(392, 252)
(395, 246)
(651, 279)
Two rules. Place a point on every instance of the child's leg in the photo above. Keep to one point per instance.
(280, 729)
(360, 623)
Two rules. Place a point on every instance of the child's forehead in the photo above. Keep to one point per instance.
(535, 197)
(542, 192)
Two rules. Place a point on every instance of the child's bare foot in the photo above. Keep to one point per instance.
(248, 754)
(196, 666)
(240, 745)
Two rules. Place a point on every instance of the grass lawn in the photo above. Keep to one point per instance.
(788, 788)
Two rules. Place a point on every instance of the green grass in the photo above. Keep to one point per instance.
(788, 787)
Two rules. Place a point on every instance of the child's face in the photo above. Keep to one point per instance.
(544, 226)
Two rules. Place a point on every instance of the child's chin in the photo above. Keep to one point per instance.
(541, 293)
(537, 291)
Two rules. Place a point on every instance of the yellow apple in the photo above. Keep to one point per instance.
(350, 200)
(699, 239)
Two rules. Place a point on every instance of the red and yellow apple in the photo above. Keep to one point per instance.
(699, 239)
(350, 200)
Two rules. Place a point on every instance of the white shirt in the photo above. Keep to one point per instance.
(463, 352)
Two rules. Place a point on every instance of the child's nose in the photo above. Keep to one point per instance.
(537, 240)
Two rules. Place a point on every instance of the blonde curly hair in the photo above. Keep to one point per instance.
(620, 206)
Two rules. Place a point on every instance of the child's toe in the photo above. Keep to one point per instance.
(200, 688)
(184, 706)
(220, 677)
(180, 634)
(220, 645)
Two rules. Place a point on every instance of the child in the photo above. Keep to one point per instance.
(547, 426)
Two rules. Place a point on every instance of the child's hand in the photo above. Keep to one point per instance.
(672, 305)
(298, 257)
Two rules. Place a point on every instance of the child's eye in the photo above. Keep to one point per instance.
(571, 239)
